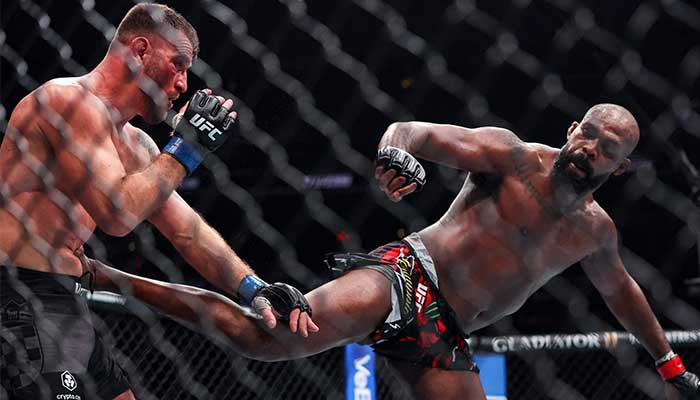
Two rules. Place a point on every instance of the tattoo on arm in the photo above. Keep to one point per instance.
(147, 143)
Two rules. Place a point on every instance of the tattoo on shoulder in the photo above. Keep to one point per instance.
(523, 170)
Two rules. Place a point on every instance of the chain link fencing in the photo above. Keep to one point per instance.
(316, 83)
(581, 366)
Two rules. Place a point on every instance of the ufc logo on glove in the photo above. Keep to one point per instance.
(203, 125)
(190, 141)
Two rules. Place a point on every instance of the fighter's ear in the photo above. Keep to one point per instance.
(571, 129)
(623, 167)
(139, 46)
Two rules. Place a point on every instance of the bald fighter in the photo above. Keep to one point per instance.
(525, 213)
(71, 162)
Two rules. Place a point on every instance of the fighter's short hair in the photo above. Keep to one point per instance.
(146, 18)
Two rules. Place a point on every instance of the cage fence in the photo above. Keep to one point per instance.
(316, 83)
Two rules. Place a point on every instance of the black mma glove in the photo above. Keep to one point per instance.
(283, 298)
(202, 128)
(673, 371)
(687, 384)
(403, 163)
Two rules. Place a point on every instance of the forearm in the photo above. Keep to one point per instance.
(485, 149)
(408, 136)
(631, 308)
(204, 249)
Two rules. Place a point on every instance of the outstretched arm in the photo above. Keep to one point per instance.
(479, 150)
(199, 244)
(626, 300)
(204, 249)
(484, 149)
(629, 305)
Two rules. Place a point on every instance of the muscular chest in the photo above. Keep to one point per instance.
(524, 219)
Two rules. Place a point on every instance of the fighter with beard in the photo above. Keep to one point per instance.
(70, 162)
(525, 213)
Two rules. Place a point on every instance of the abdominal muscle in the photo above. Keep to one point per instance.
(481, 279)
(35, 233)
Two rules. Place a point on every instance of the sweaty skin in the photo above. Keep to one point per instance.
(61, 227)
(71, 162)
(501, 240)
(519, 220)
(524, 214)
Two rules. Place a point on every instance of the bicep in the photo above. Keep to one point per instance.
(484, 149)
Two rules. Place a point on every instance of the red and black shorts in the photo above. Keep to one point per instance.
(421, 327)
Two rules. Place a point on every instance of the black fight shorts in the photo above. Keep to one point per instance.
(50, 349)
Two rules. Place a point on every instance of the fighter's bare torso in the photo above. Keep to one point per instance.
(502, 238)
(44, 222)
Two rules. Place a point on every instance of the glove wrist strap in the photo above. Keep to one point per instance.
(183, 152)
(671, 368)
(664, 358)
(249, 286)
(384, 148)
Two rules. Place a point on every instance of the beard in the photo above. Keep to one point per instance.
(156, 100)
(564, 177)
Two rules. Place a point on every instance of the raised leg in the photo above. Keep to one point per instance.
(346, 310)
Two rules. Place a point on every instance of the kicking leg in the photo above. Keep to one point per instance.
(346, 310)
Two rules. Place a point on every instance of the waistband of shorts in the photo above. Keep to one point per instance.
(40, 281)
(416, 244)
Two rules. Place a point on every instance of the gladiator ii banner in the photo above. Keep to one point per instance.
(575, 342)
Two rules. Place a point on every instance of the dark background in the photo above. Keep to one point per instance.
(317, 82)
